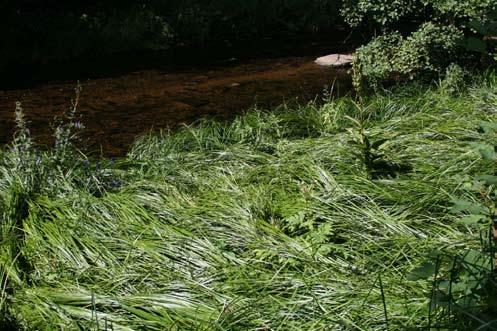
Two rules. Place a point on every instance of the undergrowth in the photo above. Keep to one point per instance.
(315, 218)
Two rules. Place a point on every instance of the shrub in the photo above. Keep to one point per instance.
(443, 32)
(394, 56)
(384, 13)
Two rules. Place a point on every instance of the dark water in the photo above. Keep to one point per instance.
(115, 110)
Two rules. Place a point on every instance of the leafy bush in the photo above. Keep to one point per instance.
(382, 12)
(386, 14)
(443, 32)
(390, 56)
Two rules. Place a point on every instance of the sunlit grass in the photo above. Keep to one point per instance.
(271, 222)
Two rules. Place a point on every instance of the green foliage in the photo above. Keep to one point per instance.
(368, 150)
(392, 56)
(444, 32)
(28, 173)
(484, 39)
(454, 80)
(464, 284)
(383, 12)
(473, 9)
(388, 13)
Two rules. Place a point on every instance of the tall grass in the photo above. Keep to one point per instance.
(270, 222)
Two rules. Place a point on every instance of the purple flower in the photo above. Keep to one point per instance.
(78, 125)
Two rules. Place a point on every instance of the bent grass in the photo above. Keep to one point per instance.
(270, 222)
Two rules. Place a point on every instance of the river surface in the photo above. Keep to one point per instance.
(116, 110)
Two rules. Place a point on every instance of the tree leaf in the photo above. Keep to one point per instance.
(493, 14)
(473, 256)
(488, 179)
(468, 206)
(424, 271)
(471, 219)
(486, 151)
(475, 45)
(478, 26)
(488, 127)
(439, 299)
(492, 28)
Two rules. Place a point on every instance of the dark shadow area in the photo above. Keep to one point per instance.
(217, 54)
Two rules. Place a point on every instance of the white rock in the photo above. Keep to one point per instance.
(335, 60)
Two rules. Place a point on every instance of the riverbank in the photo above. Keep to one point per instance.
(276, 220)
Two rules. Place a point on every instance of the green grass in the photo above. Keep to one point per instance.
(271, 222)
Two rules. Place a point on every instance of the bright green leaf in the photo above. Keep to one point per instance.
(488, 179)
(488, 127)
(468, 206)
(486, 151)
(471, 219)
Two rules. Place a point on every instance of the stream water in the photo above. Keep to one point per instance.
(115, 110)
